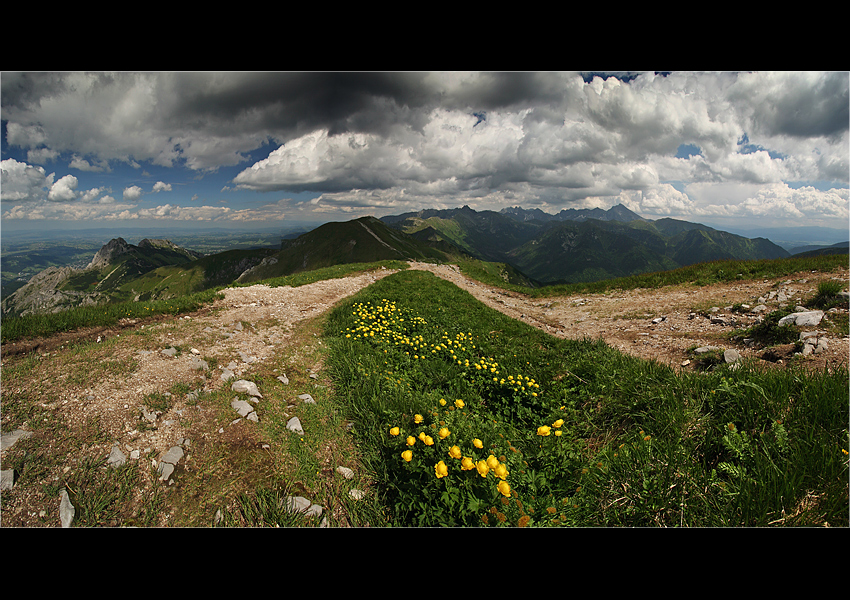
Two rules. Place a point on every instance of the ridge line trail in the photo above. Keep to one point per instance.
(623, 318)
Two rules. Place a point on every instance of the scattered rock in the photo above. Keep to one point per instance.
(7, 479)
(246, 387)
(170, 351)
(66, 509)
(802, 319)
(242, 407)
(170, 460)
(306, 398)
(345, 472)
(357, 494)
(303, 505)
(7, 440)
(283, 379)
(116, 458)
(731, 355)
(294, 425)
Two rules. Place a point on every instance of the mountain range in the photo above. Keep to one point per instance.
(527, 247)
(581, 245)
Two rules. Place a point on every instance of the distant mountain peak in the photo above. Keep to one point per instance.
(113, 248)
(615, 213)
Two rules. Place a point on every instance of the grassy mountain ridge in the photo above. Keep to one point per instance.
(362, 240)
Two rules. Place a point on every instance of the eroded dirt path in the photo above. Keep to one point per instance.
(624, 319)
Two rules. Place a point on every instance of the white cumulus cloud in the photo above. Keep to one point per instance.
(132, 193)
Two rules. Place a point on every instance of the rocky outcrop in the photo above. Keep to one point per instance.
(109, 252)
(40, 294)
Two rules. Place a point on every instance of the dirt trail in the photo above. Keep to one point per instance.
(624, 319)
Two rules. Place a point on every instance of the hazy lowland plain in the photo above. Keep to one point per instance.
(439, 395)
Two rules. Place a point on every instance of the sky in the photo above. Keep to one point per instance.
(262, 149)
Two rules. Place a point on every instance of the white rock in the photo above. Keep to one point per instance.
(294, 424)
(345, 472)
(802, 319)
(243, 408)
(246, 387)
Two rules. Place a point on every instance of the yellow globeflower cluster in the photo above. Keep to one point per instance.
(545, 430)
(442, 468)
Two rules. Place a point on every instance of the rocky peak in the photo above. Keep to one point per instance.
(115, 247)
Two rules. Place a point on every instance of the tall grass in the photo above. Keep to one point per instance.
(606, 440)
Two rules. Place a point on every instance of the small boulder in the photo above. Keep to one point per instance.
(246, 387)
(802, 319)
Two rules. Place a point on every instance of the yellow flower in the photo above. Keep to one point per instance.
(492, 462)
(444, 433)
(418, 419)
(501, 471)
(395, 431)
(441, 469)
(459, 403)
(558, 433)
(442, 402)
(467, 464)
(504, 489)
(482, 468)
(543, 430)
(429, 441)
(477, 443)
(455, 452)
(407, 455)
(558, 423)
(411, 440)
(422, 436)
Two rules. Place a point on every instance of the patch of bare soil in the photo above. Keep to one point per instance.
(667, 324)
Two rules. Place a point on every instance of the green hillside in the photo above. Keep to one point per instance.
(363, 240)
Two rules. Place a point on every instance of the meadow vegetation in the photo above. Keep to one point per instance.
(453, 414)
(470, 418)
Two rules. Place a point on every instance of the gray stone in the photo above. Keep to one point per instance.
(199, 364)
(7, 479)
(116, 457)
(66, 509)
(246, 387)
(345, 472)
(307, 398)
(283, 379)
(303, 505)
(227, 374)
(357, 494)
(170, 351)
(243, 408)
(802, 319)
(173, 456)
(294, 424)
(165, 470)
(704, 349)
(731, 355)
(7, 440)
